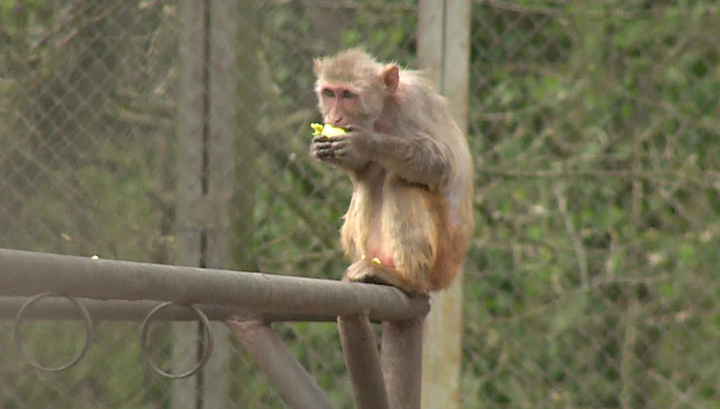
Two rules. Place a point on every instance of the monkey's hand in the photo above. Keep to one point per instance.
(321, 148)
(358, 145)
(343, 151)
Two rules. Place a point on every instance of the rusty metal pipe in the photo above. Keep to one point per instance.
(57, 308)
(363, 362)
(29, 273)
(279, 364)
(402, 362)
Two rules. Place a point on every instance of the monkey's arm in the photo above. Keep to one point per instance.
(417, 159)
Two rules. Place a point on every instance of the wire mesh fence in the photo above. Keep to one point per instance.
(592, 281)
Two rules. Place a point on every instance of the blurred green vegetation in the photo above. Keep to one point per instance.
(592, 281)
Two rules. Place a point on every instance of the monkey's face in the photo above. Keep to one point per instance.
(339, 104)
(351, 89)
(345, 105)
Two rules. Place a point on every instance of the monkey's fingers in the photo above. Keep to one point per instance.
(320, 138)
(322, 147)
(323, 151)
(323, 154)
(346, 148)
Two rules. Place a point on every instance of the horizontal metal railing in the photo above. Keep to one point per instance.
(248, 302)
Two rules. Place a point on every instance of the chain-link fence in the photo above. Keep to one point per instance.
(594, 281)
(592, 278)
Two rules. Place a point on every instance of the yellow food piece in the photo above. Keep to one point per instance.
(326, 130)
(317, 128)
(374, 260)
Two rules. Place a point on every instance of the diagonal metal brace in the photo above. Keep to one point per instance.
(279, 364)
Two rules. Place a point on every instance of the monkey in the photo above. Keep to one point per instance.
(410, 218)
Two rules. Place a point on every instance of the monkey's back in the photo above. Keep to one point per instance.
(451, 205)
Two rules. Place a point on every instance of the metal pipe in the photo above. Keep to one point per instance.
(280, 365)
(402, 362)
(363, 362)
(29, 273)
(57, 308)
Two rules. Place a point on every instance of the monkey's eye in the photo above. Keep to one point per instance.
(328, 93)
(348, 94)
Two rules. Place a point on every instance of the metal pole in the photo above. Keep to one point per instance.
(280, 365)
(29, 273)
(444, 51)
(402, 362)
(189, 171)
(221, 133)
(56, 308)
(363, 362)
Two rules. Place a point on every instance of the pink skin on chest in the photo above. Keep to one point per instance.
(387, 260)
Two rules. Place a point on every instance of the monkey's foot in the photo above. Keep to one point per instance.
(374, 272)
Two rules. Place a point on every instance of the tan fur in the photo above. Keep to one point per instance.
(411, 173)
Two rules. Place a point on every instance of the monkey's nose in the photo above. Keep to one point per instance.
(334, 120)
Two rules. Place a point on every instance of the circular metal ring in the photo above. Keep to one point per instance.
(34, 362)
(208, 345)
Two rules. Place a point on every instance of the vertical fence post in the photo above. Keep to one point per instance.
(207, 121)
(222, 111)
(189, 189)
(444, 50)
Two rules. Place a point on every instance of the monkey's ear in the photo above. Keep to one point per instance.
(391, 78)
(317, 66)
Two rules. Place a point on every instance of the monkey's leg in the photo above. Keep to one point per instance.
(371, 272)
